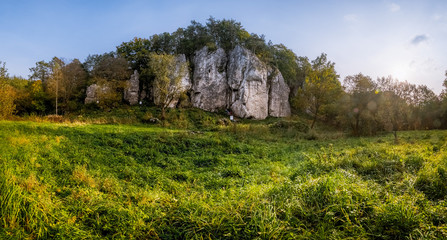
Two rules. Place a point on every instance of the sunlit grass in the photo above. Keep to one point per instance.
(240, 181)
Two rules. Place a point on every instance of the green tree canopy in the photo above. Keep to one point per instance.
(321, 88)
(167, 83)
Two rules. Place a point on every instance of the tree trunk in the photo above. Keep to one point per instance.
(357, 123)
(314, 120)
(163, 113)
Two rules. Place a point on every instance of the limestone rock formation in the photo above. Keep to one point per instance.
(132, 89)
(247, 79)
(210, 88)
(99, 92)
(237, 80)
(279, 105)
(91, 94)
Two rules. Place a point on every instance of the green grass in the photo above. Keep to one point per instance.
(252, 180)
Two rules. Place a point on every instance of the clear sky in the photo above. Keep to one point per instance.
(405, 39)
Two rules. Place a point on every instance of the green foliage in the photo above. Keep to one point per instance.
(168, 72)
(242, 181)
(321, 89)
(7, 94)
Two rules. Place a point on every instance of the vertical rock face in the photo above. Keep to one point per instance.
(210, 88)
(247, 78)
(279, 105)
(239, 81)
(132, 89)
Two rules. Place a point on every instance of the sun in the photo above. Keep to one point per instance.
(401, 72)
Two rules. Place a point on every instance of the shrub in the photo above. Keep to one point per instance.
(7, 97)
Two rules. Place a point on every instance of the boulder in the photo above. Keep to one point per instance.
(210, 88)
(132, 89)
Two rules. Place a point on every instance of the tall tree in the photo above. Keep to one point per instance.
(443, 98)
(55, 86)
(320, 89)
(3, 70)
(73, 81)
(42, 71)
(362, 104)
(109, 71)
(7, 94)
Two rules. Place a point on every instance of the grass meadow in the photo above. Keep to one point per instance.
(251, 180)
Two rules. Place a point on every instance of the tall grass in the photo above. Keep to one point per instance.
(249, 180)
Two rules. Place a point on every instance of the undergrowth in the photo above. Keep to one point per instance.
(211, 179)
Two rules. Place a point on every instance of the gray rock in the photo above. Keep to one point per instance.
(247, 79)
(91, 94)
(132, 89)
(239, 81)
(99, 92)
(278, 96)
(210, 88)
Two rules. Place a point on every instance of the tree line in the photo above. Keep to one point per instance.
(358, 103)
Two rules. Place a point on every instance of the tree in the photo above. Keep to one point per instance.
(320, 89)
(73, 81)
(54, 83)
(42, 71)
(226, 34)
(38, 97)
(395, 108)
(168, 76)
(136, 52)
(443, 99)
(287, 63)
(362, 104)
(3, 71)
(7, 94)
(109, 71)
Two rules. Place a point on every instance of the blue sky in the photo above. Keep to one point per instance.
(405, 39)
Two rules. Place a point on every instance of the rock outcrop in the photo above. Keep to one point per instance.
(98, 92)
(210, 88)
(132, 89)
(237, 80)
(247, 79)
(279, 105)
(91, 94)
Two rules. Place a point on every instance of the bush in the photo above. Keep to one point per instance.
(7, 97)
(299, 126)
